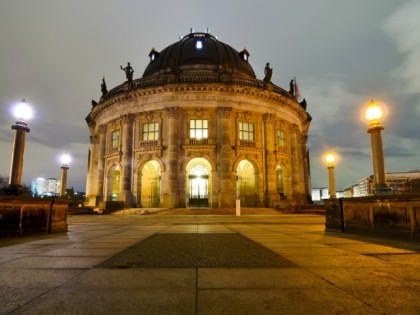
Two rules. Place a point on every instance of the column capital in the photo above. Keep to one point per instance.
(94, 139)
(377, 126)
(294, 128)
(172, 112)
(268, 118)
(21, 126)
(224, 112)
(102, 128)
(127, 118)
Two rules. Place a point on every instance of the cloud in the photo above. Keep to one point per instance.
(396, 146)
(404, 27)
(328, 99)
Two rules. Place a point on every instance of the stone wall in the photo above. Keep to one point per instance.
(390, 215)
(25, 215)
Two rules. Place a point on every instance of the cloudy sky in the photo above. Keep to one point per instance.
(343, 54)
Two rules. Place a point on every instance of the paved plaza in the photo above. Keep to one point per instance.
(207, 264)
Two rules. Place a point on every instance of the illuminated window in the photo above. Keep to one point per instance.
(153, 55)
(115, 139)
(199, 129)
(280, 138)
(244, 54)
(150, 131)
(199, 44)
(246, 131)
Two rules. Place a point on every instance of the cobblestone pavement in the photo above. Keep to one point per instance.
(318, 272)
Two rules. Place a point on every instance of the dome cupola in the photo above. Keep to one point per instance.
(199, 52)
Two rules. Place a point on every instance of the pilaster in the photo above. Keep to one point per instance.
(227, 191)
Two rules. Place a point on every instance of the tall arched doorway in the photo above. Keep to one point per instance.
(198, 183)
(246, 184)
(280, 182)
(113, 183)
(149, 188)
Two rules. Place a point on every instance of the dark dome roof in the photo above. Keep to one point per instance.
(198, 52)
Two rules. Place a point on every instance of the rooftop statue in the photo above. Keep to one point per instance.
(268, 73)
(128, 72)
(292, 87)
(103, 87)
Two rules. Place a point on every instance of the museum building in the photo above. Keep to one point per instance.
(198, 129)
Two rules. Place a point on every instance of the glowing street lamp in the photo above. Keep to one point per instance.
(373, 113)
(22, 112)
(65, 160)
(330, 159)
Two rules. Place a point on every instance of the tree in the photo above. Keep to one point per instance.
(4, 181)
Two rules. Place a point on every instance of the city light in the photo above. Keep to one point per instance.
(330, 159)
(65, 159)
(22, 111)
(374, 112)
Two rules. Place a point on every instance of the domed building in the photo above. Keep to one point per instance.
(198, 129)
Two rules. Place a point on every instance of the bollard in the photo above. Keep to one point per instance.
(238, 207)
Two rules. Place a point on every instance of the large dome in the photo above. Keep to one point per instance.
(199, 52)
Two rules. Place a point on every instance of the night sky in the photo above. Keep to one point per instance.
(342, 53)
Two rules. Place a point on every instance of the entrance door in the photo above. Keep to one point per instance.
(113, 183)
(199, 187)
(150, 185)
(247, 184)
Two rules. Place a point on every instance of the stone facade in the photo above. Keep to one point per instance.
(198, 139)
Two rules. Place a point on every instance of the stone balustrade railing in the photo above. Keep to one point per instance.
(382, 214)
(205, 77)
(26, 215)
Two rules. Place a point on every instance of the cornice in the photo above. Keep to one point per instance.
(194, 92)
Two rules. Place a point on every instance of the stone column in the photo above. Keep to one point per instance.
(294, 145)
(17, 155)
(170, 196)
(331, 179)
(125, 193)
(64, 170)
(378, 159)
(306, 172)
(271, 195)
(227, 191)
(92, 171)
(101, 163)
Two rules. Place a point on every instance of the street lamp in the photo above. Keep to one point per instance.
(373, 113)
(65, 160)
(22, 112)
(330, 159)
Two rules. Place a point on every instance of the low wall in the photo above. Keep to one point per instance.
(26, 215)
(390, 215)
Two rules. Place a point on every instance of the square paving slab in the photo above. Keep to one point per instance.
(188, 250)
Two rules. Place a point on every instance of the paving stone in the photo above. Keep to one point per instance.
(196, 251)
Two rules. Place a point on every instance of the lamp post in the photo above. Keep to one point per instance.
(65, 161)
(22, 112)
(373, 113)
(330, 159)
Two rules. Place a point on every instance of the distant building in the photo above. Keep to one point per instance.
(400, 183)
(320, 194)
(45, 187)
